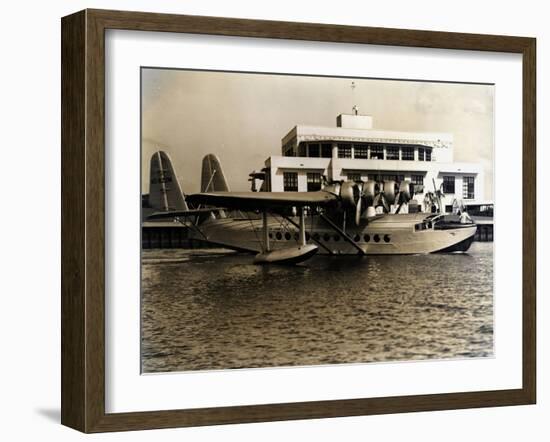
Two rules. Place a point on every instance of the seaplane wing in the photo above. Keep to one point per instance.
(181, 213)
(263, 200)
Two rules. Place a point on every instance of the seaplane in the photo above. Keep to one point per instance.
(344, 217)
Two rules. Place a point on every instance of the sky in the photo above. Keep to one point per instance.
(241, 117)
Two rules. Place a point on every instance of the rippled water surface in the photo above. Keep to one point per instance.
(214, 309)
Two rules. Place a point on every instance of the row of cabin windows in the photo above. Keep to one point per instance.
(314, 180)
(468, 186)
(328, 237)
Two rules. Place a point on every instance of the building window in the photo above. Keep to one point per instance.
(468, 188)
(428, 155)
(354, 176)
(391, 177)
(392, 153)
(313, 182)
(290, 181)
(266, 186)
(302, 150)
(288, 148)
(344, 150)
(361, 151)
(417, 180)
(376, 152)
(449, 184)
(420, 154)
(326, 150)
(289, 153)
(314, 150)
(407, 153)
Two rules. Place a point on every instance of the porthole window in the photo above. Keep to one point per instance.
(326, 237)
(376, 238)
(357, 238)
(387, 238)
(278, 235)
(307, 236)
(270, 235)
(316, 237)
(367, 238)
(336, 237)
(287, 236)
(296, 236)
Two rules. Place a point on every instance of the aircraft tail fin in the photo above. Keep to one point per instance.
(213, 178)
(164, 188)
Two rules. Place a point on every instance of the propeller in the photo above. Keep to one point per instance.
(404, 195)
(358, 207)
(386, 195)
(357, 196)
(438, 195)
(351, 195)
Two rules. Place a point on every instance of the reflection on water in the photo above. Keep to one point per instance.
(213, 309)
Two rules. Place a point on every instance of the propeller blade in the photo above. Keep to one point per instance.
(399, 207)
(358, 211)
(385, 203)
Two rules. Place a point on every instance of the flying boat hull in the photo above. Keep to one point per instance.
(387, 235)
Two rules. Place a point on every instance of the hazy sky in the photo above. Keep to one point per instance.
(242, 117)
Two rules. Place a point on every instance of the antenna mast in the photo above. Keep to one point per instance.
(355, 108)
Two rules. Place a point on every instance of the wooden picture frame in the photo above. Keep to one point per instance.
(83, 216)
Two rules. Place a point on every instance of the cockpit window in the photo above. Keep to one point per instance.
(425, 225)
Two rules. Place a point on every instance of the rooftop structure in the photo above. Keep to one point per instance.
(353, 150)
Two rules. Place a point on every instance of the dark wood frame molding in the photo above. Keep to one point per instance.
(83, 215)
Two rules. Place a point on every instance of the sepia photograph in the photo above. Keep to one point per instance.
(303, 220)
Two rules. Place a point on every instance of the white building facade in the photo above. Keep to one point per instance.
(353, 150)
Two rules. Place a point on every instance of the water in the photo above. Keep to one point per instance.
(214, 309)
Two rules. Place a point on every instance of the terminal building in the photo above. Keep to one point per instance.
(353, 150)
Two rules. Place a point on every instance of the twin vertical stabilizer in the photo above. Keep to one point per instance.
(164, 188)
(213, 178)
(165, 194)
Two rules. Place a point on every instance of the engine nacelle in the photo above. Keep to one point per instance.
(390, 191)
(370, 190)
(350, 194)
(405, 191)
